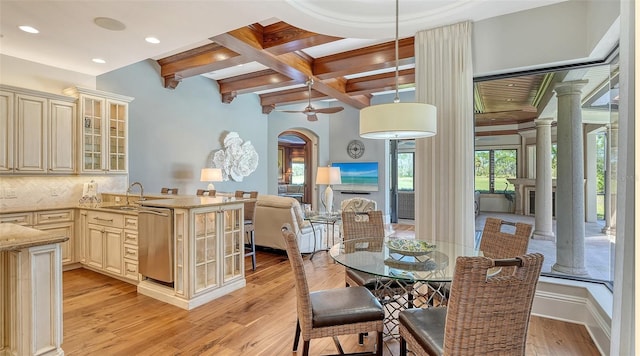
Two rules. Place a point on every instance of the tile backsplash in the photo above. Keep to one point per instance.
(52, 191)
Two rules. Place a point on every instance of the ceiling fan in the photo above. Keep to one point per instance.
(310, 111)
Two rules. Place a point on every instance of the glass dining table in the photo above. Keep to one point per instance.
(407, 272)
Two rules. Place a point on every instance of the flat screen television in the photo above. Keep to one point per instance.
(357, 176)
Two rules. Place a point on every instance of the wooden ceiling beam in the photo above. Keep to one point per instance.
(197, 61)
(252, 82)
(380, 82)
(290, 96)
(280, 38)
(366, 59)
(247, 42)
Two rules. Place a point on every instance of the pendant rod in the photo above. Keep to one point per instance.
(397, 98)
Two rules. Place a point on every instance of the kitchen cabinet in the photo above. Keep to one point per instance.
(7, 121)
(39, 131)
(219, 249)
(59, 220)
(209, 251)
(111, 243)
(103, 128)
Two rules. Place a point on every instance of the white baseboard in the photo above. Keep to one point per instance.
(583, 303)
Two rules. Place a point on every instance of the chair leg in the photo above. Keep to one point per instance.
(305, 348)
(361, 339)
(253, 250)
(403, 346)
(379, 346)
(297, 337)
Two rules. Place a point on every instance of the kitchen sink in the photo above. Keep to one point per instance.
(121, 207)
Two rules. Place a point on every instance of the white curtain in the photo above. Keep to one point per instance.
(444, 163)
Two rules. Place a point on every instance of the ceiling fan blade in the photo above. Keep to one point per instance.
(312, 117)
(291, 111)
(329, 110)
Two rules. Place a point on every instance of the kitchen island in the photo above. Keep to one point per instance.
(30, 291)
(207, 247)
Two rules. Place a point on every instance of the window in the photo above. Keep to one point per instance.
(493, 168)
(297, 170)
(405, 171)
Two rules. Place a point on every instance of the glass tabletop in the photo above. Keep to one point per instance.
(407, 259)
(322, 217)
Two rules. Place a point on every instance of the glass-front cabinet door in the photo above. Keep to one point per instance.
(233, 244)
(104, 121)
(117, 136)
(92, 136)
(206, 259)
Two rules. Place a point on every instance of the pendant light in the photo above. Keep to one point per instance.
(398, 120)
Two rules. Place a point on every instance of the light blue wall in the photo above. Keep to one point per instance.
(172, 132)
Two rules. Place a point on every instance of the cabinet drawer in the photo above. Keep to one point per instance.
(105, 219)
(131, 222)
(131, 238)
(53, 216)
(25, 219)
(131, 269)
(131, 252)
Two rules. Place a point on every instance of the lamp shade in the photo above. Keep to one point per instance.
(398, 121)
(211, 175)
(328, 175)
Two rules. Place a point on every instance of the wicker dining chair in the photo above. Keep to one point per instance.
(497, 243)
(358, 225)
(330, 312)
(487, 314)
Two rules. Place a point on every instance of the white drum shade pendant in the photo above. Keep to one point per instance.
(398, 120)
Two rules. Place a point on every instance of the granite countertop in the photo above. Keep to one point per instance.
(15, 237)
(192, 202)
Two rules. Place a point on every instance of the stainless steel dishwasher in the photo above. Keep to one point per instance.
(155, 243)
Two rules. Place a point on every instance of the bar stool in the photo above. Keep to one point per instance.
(204, 192)
(249, 229)
(173, 191)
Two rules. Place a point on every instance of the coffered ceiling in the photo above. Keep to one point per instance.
(269, 48)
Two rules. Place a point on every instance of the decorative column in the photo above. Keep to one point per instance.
(570, 181)
(611, 156)
(544, 190)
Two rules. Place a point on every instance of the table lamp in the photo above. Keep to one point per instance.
(328, 176)
(211, 175)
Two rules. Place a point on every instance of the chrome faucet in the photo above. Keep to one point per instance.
(129, 191)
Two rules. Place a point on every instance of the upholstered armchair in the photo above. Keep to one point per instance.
(272, 212)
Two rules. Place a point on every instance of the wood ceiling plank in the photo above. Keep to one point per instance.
(366, 59)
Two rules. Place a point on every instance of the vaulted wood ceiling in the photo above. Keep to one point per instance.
(344, 76)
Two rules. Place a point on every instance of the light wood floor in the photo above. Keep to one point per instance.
(104, 316)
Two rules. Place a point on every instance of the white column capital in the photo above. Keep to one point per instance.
(570, 87)
(543, 121)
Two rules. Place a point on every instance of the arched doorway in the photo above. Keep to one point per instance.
(295, 166)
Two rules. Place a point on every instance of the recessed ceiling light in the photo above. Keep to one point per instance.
(28, 29)
(99, 60)
(153, 40)
(109, 24)
(511, 85)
